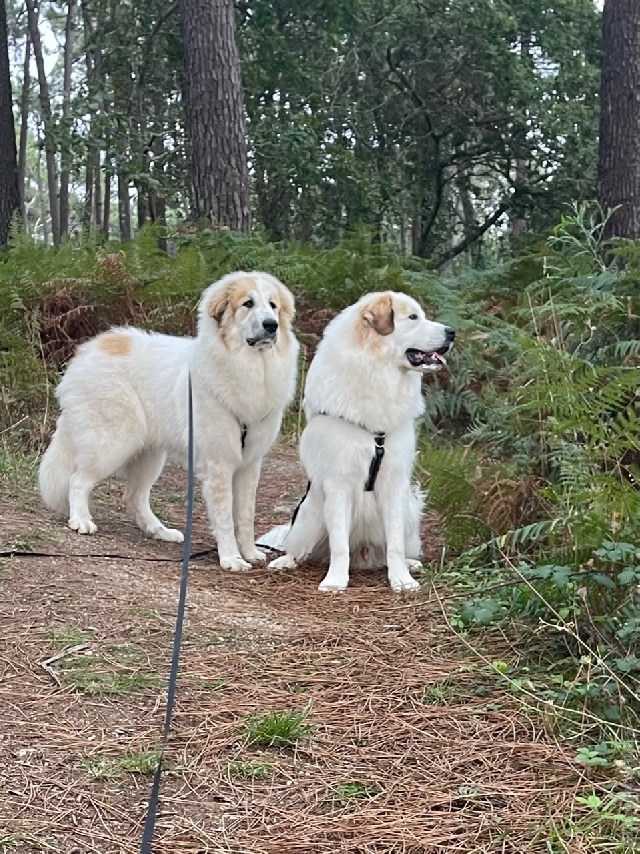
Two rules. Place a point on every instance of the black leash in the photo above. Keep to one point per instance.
(105, 556)
(299, 504)
(150, 821)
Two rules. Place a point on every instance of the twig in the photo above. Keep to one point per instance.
(46, 664)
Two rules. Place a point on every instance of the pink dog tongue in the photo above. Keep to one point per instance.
(439, 358)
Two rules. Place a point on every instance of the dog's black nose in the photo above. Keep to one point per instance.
(449, 333)
(270, 325)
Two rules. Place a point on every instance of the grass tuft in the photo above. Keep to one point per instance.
(112, 768)
(278, 729)
(251, 769)
(355, 790)
(70, 636)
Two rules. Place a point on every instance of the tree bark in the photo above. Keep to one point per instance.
(106, 206)
(41, 199)
(517, 223)
(619, 152)
(65, 156)
(215, 113)
(124, 207)
(48, 122)
(157, 201)
(9, 188)
(24, 128)
(96, 213)
(142, 204)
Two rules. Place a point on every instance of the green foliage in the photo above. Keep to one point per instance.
(355, 790)
(409, 117)
(140, 762)
(541, 497)
(277, 729)
(251, 769)
(406, 118)
(111, 768)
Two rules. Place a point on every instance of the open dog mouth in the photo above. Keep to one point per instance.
(427, 358)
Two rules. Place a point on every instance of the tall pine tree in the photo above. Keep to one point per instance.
(9, 190)
(619, 152)
(215, 112)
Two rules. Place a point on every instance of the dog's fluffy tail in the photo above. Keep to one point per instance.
(275, 538)
(54, 475)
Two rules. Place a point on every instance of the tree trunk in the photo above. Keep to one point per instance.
(106, 208)
(142, 204)
(65, 156)
(157, 201)
(517, 223)
(43, 204)
(92, 162)
(24, 127)
(124, 207)
(9, 189)
(215, 112)
(47, 118)
(97, 196)
(619, 153)
(469, 220)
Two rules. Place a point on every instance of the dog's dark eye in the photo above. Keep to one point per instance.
(413, 317)
(273, 305)
(248, 303)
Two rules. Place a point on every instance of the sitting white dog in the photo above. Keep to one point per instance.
(362, 398)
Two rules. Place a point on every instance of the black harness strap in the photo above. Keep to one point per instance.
(150, 821)
(376, 462)
(378, 437)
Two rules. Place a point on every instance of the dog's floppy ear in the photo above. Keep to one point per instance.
(379, 315)
(287, 304)
(218, 303)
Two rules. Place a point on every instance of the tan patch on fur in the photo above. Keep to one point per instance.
(115, 343)
(231, 297)
(286, 314)
(237, 291)
(376, 316)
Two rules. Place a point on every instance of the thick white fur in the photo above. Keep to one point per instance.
(360, 382)
(124, 409)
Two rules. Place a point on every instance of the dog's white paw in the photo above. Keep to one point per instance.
(413, 564)
(254, 555)
(169, 535)
(284, 562)
(333, 584)
(82, 526)
(403, 583)
(234, 562)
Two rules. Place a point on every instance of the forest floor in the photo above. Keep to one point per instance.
(414, 744)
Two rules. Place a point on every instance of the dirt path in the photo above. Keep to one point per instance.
(413, 746)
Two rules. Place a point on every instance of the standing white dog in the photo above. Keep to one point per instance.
(362, 397)
(124, 409)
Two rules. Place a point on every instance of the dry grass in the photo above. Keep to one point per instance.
(413, 746)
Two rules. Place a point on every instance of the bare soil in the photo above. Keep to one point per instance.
(414, 745)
